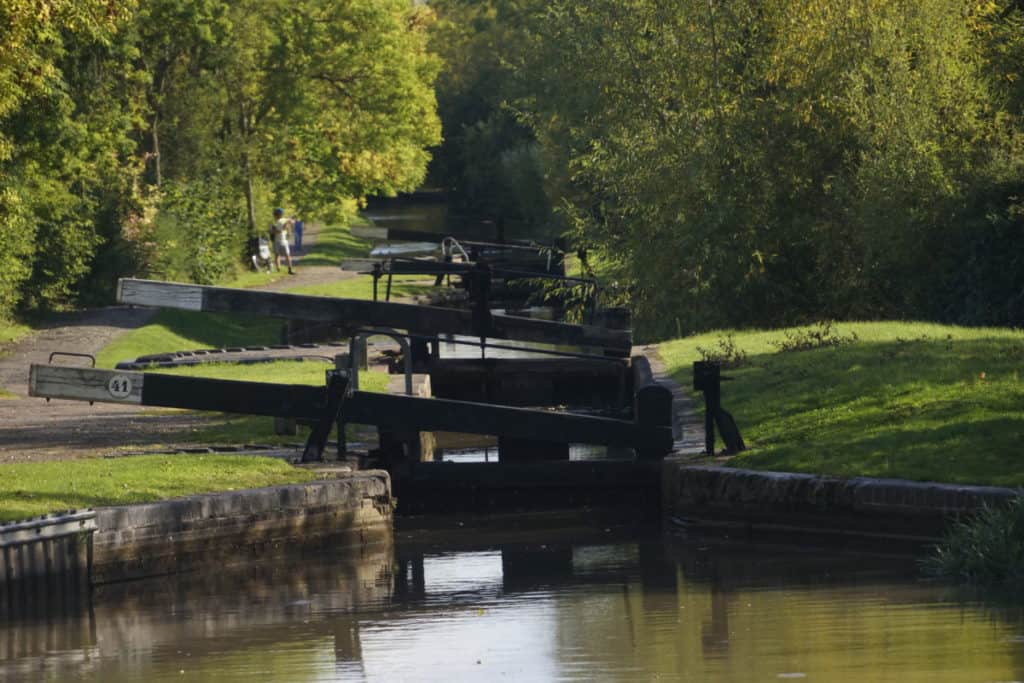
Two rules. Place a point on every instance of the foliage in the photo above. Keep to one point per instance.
(489, 158)
(985, 549)
(154, 137)
(12, 331)
(757, 163)
(910, 400)
(822, 335)
(67, 109)
(726, 353)
(200, 230)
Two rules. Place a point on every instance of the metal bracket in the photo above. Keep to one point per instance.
(337, 387)
(91, 357)
(361, 335)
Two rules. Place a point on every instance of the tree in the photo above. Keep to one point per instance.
(758, 163)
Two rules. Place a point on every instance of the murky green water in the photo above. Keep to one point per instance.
(598, 609)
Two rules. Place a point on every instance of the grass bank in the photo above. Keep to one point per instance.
(362, 287)
(10, 332)
(908, 400)
(171, 330)
(30, 489)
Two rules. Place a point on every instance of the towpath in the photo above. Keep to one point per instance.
(32, 429)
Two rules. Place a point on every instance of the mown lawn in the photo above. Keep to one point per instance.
(361, 287)
(30, 489)
(908, 400)
(173, 330)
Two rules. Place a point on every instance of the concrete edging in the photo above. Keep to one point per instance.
(181, 534)
(864, 506)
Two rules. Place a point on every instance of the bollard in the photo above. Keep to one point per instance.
(707, 378)
(652, 403)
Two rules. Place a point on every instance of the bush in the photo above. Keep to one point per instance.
(727, 353)
(822, 335)
(200, 232)
(986, 549)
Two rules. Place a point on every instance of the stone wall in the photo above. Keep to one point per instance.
(133, 541)
(785, 501)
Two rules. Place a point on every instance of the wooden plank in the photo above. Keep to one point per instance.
(405, 249)
(85, 384)
(361, 265)
(150, 293)
(395, 412)
(416, 319)
(370, 232)
(434, 414)
(47, 527)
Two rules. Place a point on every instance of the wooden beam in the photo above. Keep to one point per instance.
(304, 401)
(416, 319)
(370, 232)
(443, 415)
(85, 384)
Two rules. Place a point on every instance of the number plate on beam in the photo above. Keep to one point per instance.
(85, 384)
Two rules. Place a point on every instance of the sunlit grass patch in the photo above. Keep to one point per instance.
(361, 287)
(11, 331)
(173, 330)
(30, 489)
(907, 400)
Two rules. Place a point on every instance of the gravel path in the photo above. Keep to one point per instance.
(32, 429)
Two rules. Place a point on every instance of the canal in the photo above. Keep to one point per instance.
(561, 605)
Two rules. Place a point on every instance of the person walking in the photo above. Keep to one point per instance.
(279, 230)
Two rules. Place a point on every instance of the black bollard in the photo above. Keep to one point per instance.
(652, 403)
(707, 378)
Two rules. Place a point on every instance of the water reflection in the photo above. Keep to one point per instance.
(600, 608)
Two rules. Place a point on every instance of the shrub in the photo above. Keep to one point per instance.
(726, 353)
(821, 335)
(985, 549)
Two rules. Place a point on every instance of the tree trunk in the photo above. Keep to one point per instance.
(156, 151)
(250, 202)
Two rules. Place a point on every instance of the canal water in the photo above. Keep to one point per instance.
(437, 217)
(558, 606)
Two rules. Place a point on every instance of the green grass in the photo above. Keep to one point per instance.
(11, 331)
(29, 489)
(361, 287)
(334, 243)
(249, 278)
(907, 400)
(173, 330)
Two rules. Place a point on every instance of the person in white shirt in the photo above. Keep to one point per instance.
(279, 230)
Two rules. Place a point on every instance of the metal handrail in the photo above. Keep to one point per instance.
(362, 334)
(402, 336)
